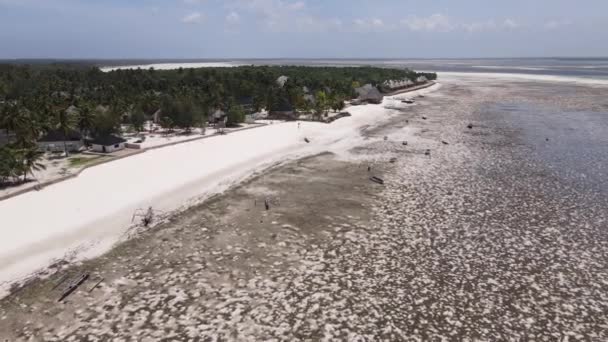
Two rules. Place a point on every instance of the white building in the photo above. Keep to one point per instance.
(108, 144)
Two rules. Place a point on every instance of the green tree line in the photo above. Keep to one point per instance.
(35, 99)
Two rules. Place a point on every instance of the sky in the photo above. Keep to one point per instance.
(107, 29)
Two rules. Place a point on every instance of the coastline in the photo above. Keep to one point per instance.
(85, 231)
(110, 158)
(465, 242)
(411, 89)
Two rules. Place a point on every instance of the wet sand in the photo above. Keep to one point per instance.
(481, 239)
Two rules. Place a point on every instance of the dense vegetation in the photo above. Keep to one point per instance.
(38, 98)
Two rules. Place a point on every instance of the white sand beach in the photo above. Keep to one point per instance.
(88, 214)
(171, 66)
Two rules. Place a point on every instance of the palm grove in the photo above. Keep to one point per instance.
(35, 99)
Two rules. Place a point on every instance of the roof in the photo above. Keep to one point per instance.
(218, 113)
(107, 140)
(369, 93)
(282, 80)
(58, 135)
(364, 90)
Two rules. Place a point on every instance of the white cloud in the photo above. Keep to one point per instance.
(307, 23)
(510, 23)
(480, 26)
(233, 18)
(370, 24)
(279, 15)
(491, 25)
(555, 24)
(436, 22)
(194, 17)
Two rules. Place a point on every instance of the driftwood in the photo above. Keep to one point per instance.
(393, 160)
(427, 153)
(445, 142)
(96, 284)
(307, 141)
(376, 180)
(470, 126)
(424, 118)
(404, 143)
(74, 286)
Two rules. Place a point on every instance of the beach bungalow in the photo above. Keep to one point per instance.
(393, 85)
(310, 99)
(370, 94)
(282, 80)
(422, 79)
(56, 141)
(217, 116)
(108, 144)
(250, 118)
(158, 114)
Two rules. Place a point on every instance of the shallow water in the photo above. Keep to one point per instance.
(573, 145)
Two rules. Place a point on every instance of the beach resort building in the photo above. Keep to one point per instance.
(282, 80)
(369, 94)
(393, 85)
(217, 116)
(108, 144)
(57, 141)
(422, 79)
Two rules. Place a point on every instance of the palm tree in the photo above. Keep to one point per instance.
(30, 161)
(65, 123)
(86, 119)
(13, 119)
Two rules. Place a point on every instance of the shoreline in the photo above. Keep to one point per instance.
(286, 229)
(110, 158)
(411, 89)
(102, 229)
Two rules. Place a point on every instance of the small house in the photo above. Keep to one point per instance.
(250, 118)
(108, 144)
(57, 141)
(282, 80)
(157, 116)
(370, 94)
(217, 116)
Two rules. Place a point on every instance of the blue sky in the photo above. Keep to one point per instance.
(302, 28)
